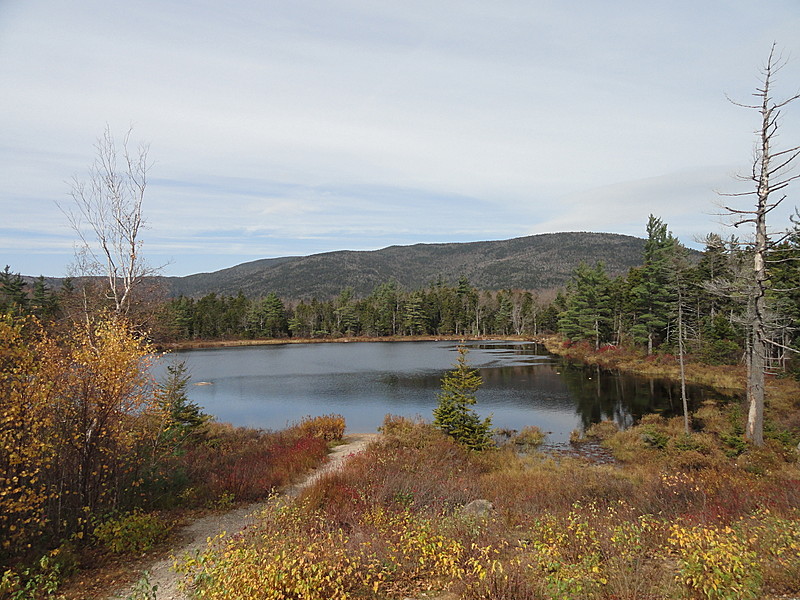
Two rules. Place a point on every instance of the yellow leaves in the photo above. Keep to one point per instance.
(291, 552)
(715, 562)
(66, 410)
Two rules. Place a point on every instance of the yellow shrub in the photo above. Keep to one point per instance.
(328, 427)
(132, 532)
(715, 563)
(776, 542)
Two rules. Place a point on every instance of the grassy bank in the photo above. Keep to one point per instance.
(782, 408)
(725, 378)
(198, 344)
(418, 516)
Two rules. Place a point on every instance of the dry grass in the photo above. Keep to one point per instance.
(391, 519)
(725, 378)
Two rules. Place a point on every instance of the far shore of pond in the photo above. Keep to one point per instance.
(204, 344)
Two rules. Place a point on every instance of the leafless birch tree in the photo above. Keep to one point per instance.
(771, 174)
(107, 216)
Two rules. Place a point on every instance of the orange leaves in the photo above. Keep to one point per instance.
(67, 404)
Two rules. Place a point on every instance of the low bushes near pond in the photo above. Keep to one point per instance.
(242, 464)
(218, 466)
(391, 524)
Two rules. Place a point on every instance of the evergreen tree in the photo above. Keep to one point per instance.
(453, 414)
(303, 322)
(184, 417)
(505, 310)
(346, 316)
(44, 303)
(467, 312)
(181, 314)
(652, 298)
(13, 297)
(414, 320)
(268, 317)
(587, 314)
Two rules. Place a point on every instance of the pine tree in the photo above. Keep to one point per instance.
(184, 416)
(453, 414)
(13, 297)
(587, 314)
(652, 297)
(414, 319)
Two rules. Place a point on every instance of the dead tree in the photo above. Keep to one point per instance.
(107, 216)
(771, 175)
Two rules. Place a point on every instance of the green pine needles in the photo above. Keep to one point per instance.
(453, 414)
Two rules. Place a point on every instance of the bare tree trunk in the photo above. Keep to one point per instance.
(770, 174)
(758, 345)
(682, 364)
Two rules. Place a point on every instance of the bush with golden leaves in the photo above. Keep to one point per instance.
(71, 432)
(327, 427)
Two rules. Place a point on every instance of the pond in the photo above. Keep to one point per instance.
(273, 386)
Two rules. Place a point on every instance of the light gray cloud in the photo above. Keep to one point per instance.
(292, 128)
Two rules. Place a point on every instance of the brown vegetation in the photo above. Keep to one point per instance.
(682, 519)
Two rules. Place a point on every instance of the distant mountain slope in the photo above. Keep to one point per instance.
(534, 262)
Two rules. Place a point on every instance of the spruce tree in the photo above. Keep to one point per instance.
(652, 297)
(587, 313)
(453, 414)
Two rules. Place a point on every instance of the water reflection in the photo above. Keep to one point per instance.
(272, 386)
(605, 395)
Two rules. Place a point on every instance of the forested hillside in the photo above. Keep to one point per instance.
(531, 263)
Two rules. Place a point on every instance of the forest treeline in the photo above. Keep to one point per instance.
(705, 306)
(438, 309)
(703, 303)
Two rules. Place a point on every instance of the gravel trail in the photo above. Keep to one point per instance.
(194, 537)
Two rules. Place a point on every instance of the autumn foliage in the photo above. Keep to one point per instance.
(73, 426)
(394, 523)
(93, 451)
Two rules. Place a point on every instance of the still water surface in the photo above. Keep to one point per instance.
(273, 386)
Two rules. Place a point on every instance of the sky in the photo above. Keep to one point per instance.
(298, 127)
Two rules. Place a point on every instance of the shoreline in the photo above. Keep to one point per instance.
(725, 379)
(208, 344)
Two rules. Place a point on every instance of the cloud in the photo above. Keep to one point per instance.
(293, 127)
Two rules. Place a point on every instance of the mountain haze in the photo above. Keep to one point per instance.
(534, 262)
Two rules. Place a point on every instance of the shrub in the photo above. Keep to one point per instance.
(602, 430)
(41, 580)
(132, 532)
(715, 563)
(503, 583)
(398, 425)
(418, 467)
(529, 437)
(289, 553)
(327, 427)
(776, 542)
(246, 464)
(576, 437)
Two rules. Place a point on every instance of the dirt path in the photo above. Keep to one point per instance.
(194, 536)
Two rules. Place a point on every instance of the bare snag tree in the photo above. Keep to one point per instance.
(107, 216)
(771, 174)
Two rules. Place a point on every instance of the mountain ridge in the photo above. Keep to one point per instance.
(535, 262)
